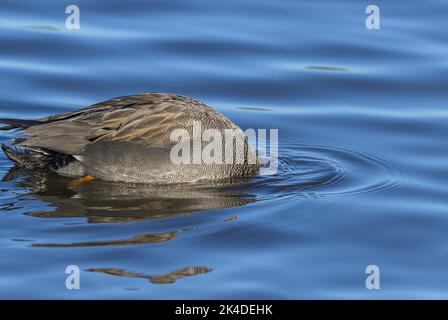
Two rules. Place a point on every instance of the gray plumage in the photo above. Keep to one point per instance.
(123, 139)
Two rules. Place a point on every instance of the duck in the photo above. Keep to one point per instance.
(128, 139)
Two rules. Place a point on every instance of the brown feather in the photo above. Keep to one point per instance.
(147, 119)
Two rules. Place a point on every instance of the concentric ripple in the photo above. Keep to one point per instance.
(322, 171)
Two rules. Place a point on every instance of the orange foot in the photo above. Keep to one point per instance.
(80, 181)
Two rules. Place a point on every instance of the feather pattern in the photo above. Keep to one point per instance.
(145, 119)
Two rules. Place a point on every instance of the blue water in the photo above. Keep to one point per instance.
(363, 127)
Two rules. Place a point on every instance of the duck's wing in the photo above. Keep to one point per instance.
(144, 119)
(70, 132)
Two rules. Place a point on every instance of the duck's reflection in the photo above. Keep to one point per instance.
(102, 201)
(140, 239)
(168, 278)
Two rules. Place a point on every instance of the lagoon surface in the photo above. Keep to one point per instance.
(363, 127)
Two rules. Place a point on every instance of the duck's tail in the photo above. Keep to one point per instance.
(18, 123)
(37, 158)
(24, 157)
(30, 157)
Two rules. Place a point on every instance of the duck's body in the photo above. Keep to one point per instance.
(123, 139)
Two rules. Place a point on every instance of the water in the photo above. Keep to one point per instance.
(362, 118)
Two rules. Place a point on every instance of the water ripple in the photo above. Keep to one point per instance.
(322, 171)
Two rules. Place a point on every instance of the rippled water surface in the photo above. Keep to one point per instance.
(363, 169)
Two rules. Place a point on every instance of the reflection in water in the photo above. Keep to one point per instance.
(141, 239)
(231, 218)
(255, 109)
(327, 68)
(103, 201)
(41, 27)
(156, 279)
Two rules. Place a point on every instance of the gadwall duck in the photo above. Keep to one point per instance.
(127, 139)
